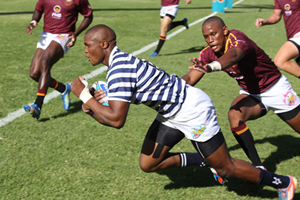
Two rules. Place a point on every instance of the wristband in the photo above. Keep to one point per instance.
(33, 21)
(89, 112)
(85, 94)
(86, 111)
(215, 66)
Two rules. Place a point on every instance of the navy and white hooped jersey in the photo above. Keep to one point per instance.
(137, 81)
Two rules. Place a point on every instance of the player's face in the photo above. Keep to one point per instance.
(93, 51)
(215, 36)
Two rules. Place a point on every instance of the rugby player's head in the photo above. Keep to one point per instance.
(99, 42)
(215, 33)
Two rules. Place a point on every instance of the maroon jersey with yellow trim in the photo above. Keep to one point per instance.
(60, 16)
(255, 72)
(290, 10)
(169, 2)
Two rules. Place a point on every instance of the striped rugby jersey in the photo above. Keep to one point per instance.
(137, 81)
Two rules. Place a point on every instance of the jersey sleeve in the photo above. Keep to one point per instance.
(121, 83)
(237, 40)
(39, 6)
(85, 8)
(276, 5)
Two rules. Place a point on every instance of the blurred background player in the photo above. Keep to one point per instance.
(183, 111)
(168, 11)
(58, 36)
(263, 87)
(290, 10)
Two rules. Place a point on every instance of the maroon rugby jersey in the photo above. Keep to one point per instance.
(169, 2)
(290, 10)
(60, 16)
(255, 72)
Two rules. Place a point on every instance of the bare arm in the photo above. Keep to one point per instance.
(188, 2)
(193, 76)
(113, 115)
(84, 24)
(230, 58)
(36, 17)
(273, 19)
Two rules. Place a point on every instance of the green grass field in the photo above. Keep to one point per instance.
(67, 155)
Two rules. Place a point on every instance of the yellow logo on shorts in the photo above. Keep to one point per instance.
(197, 131)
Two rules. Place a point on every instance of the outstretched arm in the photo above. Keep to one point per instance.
(113, 115)
(273, 19)
(230, 58)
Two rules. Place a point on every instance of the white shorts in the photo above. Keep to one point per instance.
(47, 38)
(197, 118)
(296, 40)
(280, 97)
(170, 10)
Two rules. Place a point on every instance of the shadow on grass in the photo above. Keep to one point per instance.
(192, 176)
(75, 107)
(287, 148)
(190, 50)
(202, 178)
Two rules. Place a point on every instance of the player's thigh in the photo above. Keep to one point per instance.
(52, 54)
(214, 151)
(244, 107)
(36, 62)
(158, 142)
(286, 52)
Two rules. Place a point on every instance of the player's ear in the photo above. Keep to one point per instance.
(225, 30)
(104, 44)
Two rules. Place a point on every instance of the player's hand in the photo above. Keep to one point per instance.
(80, 87)
(199, 65)
(259, 22)
(77, 86)
(30, 27)
(100, 94)
(187, 1)
(72, 40)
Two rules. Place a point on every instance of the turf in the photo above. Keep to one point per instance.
(67, 155)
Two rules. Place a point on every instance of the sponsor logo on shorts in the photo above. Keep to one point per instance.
(198, 130)
(289, 98)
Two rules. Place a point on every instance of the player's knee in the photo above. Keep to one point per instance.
(278, 62)
(34, 76)
(233, 116)
(146, 167)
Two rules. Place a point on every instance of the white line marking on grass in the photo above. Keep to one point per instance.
(18, 113)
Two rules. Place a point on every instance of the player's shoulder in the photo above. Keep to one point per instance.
(236, 33)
